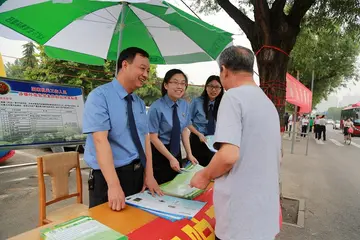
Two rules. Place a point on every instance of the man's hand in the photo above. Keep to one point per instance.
(202, 138)
(200, 180)
(175, 165)
(151, 184)
(116, 198)
(193, 160)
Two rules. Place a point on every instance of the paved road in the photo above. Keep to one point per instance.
(329, 181)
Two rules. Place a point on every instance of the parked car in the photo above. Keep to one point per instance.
(330, 121)
(336, 125)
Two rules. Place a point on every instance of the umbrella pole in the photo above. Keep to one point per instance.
(121, 28)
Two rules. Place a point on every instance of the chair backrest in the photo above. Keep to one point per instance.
(58, 166)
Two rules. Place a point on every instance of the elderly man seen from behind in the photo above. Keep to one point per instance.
(246, 166)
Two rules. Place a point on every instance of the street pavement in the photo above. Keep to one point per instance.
(328, 179)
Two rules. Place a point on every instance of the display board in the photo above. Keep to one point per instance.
(39, 114)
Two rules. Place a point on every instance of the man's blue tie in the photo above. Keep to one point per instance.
(133, 130)
(211, 121)
(175, 133)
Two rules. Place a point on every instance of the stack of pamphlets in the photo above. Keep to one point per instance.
(168, 207)
(210, 142)
(81, 228)
(180, 185)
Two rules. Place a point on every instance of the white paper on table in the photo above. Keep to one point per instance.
(166, 204)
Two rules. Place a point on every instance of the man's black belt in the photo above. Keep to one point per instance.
(133, 166)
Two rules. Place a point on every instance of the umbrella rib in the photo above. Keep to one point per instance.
(159, 16)
(92, 13)
(86, 20)
(111, 14)
(148, 32)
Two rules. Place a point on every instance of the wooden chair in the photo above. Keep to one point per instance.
(58, 166)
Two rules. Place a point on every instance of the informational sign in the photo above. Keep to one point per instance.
(200, 227)
(35, 113)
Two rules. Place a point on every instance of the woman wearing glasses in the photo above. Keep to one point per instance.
(168, 119)
(203, 112)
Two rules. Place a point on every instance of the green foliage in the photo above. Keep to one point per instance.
(193, 92)
(336, 12)
(331, 52)
(334, 113)
(29, 58)
(15, 70)
(343, 12)
(69, 73)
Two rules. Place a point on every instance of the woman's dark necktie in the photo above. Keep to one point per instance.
(211, 121)
(175, 133)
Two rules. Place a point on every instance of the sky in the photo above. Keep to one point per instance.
(196, 72)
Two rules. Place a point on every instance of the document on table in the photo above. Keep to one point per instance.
(81, 228)
(210, 142)
(165, 204)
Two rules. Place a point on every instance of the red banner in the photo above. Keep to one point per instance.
(298, 94)
(201, 227)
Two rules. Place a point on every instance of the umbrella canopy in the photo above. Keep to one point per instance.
(90, 31)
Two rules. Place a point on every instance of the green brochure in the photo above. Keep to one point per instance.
(180, 185)
(81, 228)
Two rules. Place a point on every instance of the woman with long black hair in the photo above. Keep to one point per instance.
(203, 114)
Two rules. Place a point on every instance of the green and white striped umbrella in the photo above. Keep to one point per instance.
(89, 31)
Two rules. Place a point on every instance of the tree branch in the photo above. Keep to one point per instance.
(262, 17)
(239, 17)
(278, 6)
(330, 75)
(298, 11)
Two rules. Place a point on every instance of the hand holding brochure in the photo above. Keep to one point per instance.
(81, 228)
(180, 185)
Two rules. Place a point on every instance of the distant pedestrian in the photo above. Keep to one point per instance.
(316, 126)
(290, 123)
(304, 126)
(322, 128)
(311, 124)
(286, 121)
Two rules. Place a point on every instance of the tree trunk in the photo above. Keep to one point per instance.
(272, 47)
(272, 73)
(272, 36)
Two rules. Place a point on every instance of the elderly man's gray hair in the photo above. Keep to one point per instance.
(237, 58)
